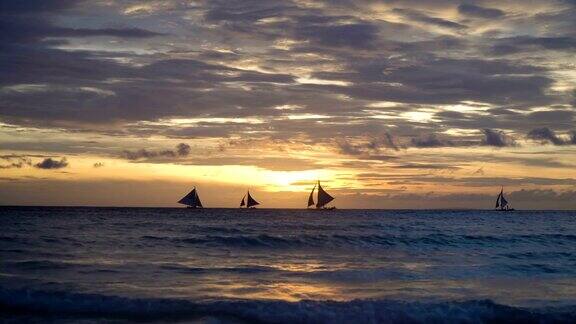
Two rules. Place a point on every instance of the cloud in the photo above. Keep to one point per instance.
(480, 12)
(546, 135)
(98, 165)
(497, 138)
(479, 171)
(49, 163)
(367, 145)
(20, 7)
(490, 138)
(360, 35)
(18, 29)
(181, 150)
(431, 141)
(351, 72)
(434, 80)
(346, 147)
(421, 17)
(427, 166)
(524, 199)
(513, 45)
(14, 161)
(540, 195)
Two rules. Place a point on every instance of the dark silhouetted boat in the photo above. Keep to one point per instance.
(323, 198)
(248, 201)
(191, 200)
(502, 203)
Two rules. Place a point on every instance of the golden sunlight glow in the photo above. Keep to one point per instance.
(310, 80)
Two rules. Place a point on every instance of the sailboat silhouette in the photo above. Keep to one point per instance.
(502, 203)
(191, 200)
(323, 198)
(248, 201)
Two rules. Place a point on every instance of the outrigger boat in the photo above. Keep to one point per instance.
(191, 200)
(502, 203)
(323, 198)
(248, 201)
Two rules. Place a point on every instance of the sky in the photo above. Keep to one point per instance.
(391, 104)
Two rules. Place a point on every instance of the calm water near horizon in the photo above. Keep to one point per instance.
(281, 265)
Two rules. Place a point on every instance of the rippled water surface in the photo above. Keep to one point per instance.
(389, 262)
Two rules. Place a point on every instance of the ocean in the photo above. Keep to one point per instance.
(286, 266)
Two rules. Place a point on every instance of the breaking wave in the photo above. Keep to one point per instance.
(67, 305)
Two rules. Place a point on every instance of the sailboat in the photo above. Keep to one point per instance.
(248, 201)
(323, 198)
(191, 200)
(502, 203)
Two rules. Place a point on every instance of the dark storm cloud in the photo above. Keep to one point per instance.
(28, 6)
(431, 140)
(480, 12)
(25, 22)
(513, 45)
(181, 150)
(209, 74)
(497, 138)
(442, 80)
(50, 163)
(312, 25)
(490, 137)
(563, 119)
(373, 60)
(23, 30)
(348, 35)
(177, 87)
(367, 146)
(152, 91)
(245, 11)
(546, 135)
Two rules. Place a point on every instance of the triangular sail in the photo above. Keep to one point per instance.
(498, 199)
(311, 197)
(242, 203)
(191, 199)
(198, 202)
(323, 197)
(250, 201)
(503, 201)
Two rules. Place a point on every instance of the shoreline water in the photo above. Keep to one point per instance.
(278, 265)
(30, 305)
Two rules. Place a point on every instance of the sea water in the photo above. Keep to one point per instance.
(274, 265)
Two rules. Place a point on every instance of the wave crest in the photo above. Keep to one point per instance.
(66, 304)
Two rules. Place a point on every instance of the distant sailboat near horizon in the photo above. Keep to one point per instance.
(502, 203)
(323, 198)
(191, 200)
(248, 201)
